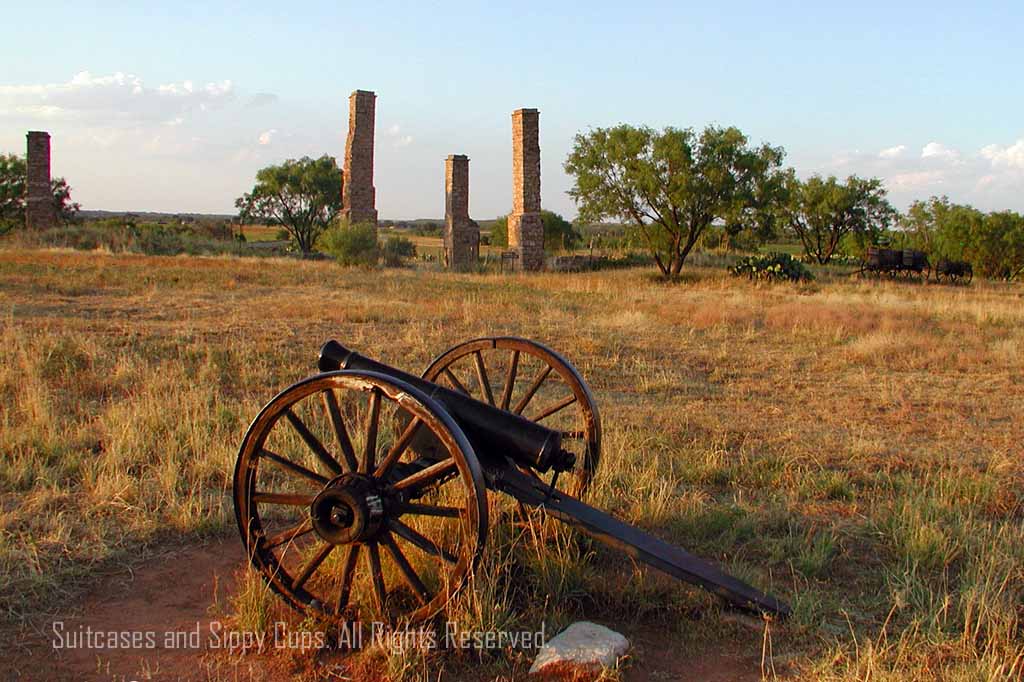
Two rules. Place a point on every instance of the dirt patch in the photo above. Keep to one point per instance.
(153, 622)
(175, 605)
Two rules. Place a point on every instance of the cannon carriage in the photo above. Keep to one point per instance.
(362, 491)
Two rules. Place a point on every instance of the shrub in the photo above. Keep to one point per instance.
(119, 235)
(397, 249)
(352, 244)
(773, 267)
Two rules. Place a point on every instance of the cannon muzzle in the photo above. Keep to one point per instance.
(492, 431)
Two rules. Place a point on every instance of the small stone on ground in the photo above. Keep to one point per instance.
(583, 645)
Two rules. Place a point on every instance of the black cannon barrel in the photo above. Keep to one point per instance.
(492, 432)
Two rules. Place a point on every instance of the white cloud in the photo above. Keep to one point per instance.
(1009, 157)
(394, 131)
(118, 97)
(893, 152)
(937, 150)
(267, 135)
(261, 99)
(916, 180)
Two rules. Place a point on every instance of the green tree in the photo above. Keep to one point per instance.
(12, 192)
(822, 212)
(302, 196)
(65, 209)
(942, 229)
(559, 233)
(997, 249)
(13, 172)
(670, 185)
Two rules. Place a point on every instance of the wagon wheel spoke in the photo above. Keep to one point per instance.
(421, 541)
(372, 425)
(399, 447)
(313, 443)
(481, 375)
(312, 565)
(292, 533)
(348, 453)
(377, 574)
(552, 409)
(347, 571)
(454, 381)
(294, 468)
(288, 499)
(425, 477)
(525, 400)
(574, 435)
(405, 568)
(510, 380)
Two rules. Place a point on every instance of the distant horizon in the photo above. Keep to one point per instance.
(923, 96)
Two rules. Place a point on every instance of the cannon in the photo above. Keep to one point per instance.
(363, 490)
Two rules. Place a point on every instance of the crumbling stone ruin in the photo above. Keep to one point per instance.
(40, 212)
(525, 229)
(358, 196)
(461, 234)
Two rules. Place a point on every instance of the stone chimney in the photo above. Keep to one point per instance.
(39, 209)
(461, 234)
(358, 196)
(525, 228)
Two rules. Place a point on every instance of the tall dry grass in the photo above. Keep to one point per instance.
(853, 446)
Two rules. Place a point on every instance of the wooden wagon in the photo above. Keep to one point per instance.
(895, 263)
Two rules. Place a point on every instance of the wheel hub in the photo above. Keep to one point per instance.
(349, 509)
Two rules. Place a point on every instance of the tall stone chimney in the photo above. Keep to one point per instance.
(358, 195)
(39, 208)
(525, 228)
(461, 234)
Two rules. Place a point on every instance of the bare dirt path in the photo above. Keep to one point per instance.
(174, 604)
(159, 616)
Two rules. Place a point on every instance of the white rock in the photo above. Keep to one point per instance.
(583, 644)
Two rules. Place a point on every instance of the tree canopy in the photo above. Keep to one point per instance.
(993, 243)
(672, 184)
(823, 211)
(302, 196)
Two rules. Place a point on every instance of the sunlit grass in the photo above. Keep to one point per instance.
(853, 446)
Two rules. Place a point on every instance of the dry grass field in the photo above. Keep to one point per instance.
(854, 447)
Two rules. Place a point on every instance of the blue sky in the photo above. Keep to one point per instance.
(175, 108)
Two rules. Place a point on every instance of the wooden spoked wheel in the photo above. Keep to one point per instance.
(358, 497)
(531, 380)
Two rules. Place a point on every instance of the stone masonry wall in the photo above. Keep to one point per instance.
(461, 234)
(39, 209)
(525, 228)
(358, 194)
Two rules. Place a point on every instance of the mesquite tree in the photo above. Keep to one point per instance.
(670, 184)
(303, 196)
(823, 211)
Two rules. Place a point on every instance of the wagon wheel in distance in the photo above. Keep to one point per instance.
(529, 379)
(356, 495)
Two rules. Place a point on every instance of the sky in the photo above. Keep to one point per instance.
(174, 107)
